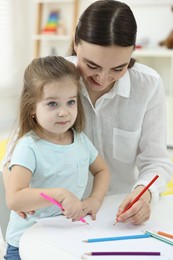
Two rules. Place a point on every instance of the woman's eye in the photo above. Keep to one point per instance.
(52, 104)
(91, 66)
(119, 70)
(71, 102)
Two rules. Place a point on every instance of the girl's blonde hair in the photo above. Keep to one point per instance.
(39, 72)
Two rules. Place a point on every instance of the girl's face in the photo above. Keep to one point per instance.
(56, 112)
(101, 66)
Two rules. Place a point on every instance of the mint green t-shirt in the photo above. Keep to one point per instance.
(52, 166)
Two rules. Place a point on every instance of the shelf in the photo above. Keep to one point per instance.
(54, 1)
(51, 37)
(69, 18)
(156, 52)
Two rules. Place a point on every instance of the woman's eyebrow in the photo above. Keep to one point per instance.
(117, 67)
(91, 62)
(122, 65)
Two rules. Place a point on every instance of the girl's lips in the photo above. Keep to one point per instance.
(62, 123)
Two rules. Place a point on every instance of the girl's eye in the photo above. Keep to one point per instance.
(91, 66)
(71, 102)
(52, 104)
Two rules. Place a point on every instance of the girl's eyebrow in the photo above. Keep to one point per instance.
(47, 98)
(117, 67)
(52, 98)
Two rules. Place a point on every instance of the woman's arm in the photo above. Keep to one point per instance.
(153, 157)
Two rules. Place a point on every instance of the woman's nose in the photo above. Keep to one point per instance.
(103, 77)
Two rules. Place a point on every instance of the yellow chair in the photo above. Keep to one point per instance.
(169, 190)
(3, 146)
(4, 218)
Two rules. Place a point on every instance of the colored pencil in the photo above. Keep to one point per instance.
(159, 238)
(122, 253)
(59, 205)
(104, 239)
(164, 234)
(139, 195)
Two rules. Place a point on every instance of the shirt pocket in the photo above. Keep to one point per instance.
(82, 172)
(125, 145)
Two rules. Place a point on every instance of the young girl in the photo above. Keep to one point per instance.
(52, 154)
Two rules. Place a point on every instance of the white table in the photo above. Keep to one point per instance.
(59, 238)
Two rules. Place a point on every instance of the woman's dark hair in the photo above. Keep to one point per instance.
(107, 23)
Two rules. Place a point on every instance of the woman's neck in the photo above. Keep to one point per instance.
(95, 95)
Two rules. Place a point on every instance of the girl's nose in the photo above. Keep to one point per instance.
(62, 111)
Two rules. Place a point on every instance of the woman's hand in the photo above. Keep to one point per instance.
(139, 212)
(91, 206)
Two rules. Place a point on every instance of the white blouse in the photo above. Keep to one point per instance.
(128, 127)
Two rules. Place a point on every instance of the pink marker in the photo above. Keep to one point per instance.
(59, 205)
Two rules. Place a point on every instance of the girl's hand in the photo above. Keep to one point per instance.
(72, 207)
(91, 206)
(139, 212)
(24, 214)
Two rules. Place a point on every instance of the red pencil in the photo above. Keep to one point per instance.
(139, 195)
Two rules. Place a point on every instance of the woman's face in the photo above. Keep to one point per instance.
(101, 66)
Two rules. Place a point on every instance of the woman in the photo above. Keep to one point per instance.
(124, 105)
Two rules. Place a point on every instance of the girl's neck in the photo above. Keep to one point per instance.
(61, 139)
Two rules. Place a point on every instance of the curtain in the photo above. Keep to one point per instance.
(5, 43)
(16, 27)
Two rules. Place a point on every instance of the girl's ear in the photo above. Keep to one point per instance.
(32, 113)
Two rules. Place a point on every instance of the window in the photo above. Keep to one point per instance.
(5, 43)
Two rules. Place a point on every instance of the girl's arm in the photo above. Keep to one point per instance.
(20, 197)
(5, 174)
(101, 181)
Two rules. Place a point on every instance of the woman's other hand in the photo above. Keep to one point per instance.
(139, 212)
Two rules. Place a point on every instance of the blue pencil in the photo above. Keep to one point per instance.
(104, 239)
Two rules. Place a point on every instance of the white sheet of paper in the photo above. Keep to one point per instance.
(69, 235)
